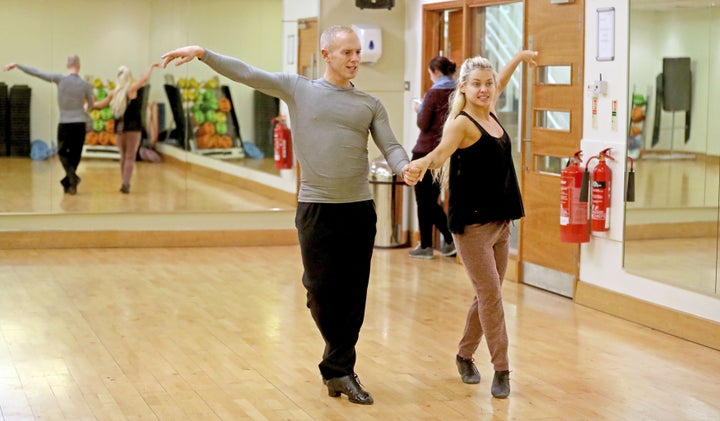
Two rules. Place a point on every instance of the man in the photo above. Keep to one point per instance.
(73, 93)
(336, 215)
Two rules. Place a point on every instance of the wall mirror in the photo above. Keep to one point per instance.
(671, 230)
(135, 33)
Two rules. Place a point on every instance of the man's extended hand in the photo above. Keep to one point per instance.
(183, 55)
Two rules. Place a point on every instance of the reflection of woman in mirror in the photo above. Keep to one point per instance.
(127, 110)
(73, 92)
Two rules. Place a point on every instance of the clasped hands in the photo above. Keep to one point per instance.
(413, 172)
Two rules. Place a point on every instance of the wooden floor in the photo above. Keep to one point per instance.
(223, 333)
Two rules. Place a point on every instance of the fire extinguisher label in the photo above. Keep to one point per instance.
(564, 201)
(572, 210)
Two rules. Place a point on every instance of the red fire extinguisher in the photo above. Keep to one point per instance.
(601, 191)
(574, 226)
(282, 139)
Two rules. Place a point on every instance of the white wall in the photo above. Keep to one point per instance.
(110, 33)
(383, 79)
(601, 260)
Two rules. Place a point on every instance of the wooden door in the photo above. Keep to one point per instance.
(307, 64)
(552, 132)
(443, 34)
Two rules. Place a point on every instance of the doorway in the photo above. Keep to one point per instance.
(541, 111)
(495, 31)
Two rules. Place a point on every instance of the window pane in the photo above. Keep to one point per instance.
(554, 75)
(553, 120)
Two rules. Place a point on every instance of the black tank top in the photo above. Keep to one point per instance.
(132, 119)
(483, 184)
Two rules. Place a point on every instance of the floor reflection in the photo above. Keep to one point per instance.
(685, 262)
(671, 232)
(675, 183)
(33, 187)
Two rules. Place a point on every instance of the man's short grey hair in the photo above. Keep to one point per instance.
(73, 61)
(328, 35)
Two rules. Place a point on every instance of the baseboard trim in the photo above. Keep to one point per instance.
(139, 239)
(682, 325)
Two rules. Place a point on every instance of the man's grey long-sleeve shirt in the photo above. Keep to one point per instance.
(72, 94)
(330, 126)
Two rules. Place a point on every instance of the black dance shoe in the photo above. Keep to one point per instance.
(468, 372)
(501, 384)
(350, 386)
(65, 183)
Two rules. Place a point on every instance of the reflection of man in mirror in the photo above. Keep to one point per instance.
(73, 93)
(336, 215)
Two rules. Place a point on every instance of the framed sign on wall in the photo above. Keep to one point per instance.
(605, 34)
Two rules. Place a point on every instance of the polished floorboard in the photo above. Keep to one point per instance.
(224, 334)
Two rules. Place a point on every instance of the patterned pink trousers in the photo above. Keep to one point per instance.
(483, 249)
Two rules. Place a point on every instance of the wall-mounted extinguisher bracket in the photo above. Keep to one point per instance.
(586, 181)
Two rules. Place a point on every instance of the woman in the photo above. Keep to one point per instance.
(432, 112)
(127, 110)
(484, 199)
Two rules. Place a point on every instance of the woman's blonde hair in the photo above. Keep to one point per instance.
(119, 102)
(457, 104)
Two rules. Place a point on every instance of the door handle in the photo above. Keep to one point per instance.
(527, 137)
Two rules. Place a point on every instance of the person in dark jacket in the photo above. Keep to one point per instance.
(484, 200)
(432, 112)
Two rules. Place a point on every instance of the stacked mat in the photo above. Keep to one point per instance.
(18, 140)
(4, 124)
